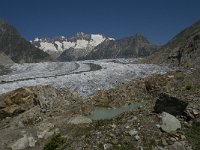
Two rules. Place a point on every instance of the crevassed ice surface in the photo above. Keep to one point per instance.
(77, 76)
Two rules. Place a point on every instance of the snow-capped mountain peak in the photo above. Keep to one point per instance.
(81, 41)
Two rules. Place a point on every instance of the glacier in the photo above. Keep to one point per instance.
(78, 76)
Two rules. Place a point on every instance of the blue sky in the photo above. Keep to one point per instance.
(158, 20)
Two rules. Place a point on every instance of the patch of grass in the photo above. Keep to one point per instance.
(78, 131)
(101, 123)
(193, 135)
(82, 131)
(55, 142)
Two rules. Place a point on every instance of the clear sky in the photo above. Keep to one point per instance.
(158, 20)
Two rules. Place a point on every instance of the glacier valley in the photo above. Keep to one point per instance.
(84, 77)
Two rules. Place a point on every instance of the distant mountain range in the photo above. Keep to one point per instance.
(74, 47)
(133, 46)
(17, 48)
(94, 46)
(182, 50)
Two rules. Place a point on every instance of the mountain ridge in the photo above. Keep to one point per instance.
(132, 46)
(182, 50)
(80, 41)
(94, 46)
(17, 48)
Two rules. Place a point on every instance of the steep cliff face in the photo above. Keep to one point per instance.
(182, 50)
(17, 48)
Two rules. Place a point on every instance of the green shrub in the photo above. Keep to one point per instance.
(188, 87)
(55, 142)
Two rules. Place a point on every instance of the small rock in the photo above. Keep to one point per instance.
(171, 76)
(158, 126)
(48, 134)
(195, 112)
(173, 139)
(31, 141)
(183, 137)
(43, 129)
(169, 123)
(189, 115)
(114, 126)
(134, 118)
(187, 124)
(164, 142)
(112, 135)
(133, 132)
(80, 120)
(137, 137)
(107, 146)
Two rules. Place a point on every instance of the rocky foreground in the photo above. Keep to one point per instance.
(43, 117)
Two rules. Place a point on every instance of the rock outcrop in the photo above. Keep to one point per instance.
(170, 104)
(16, 102)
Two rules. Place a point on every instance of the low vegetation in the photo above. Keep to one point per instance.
(55, 142)
(193, 135)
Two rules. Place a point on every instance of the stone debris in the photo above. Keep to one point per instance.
(107, 146)
(133, 132)
(137, 137)
(44, 129)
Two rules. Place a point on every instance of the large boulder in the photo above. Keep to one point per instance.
(169, 123)
(16, 102)
(170, 104)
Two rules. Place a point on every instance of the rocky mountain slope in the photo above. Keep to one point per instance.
(71, 47)
(182, 50)
(134, 46)
(17, 48)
